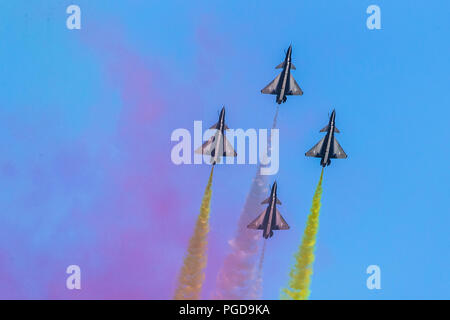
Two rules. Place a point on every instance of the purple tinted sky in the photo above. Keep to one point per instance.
(86, 118)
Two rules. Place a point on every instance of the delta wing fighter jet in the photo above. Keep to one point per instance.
(328, 148)
(284, 84)
(271, 218)
(218, 146)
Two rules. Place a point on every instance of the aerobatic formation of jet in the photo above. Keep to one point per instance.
(218, 146)
(328, 148)
(271, 218)
(284, 84)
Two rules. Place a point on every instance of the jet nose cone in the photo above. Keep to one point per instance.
(333, 114)
(274, 185)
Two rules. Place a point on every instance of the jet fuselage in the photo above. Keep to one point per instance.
(325, 161)
(271, 213)
(285, 76)
(219, 137)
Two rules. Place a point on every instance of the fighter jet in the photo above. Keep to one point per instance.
(328, 148)
(218, 146)
(271, 218)
(284, 84)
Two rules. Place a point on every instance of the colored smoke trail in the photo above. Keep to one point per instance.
(191, 276)
(275, 118)
(258, 288)
(238, 277)
(261, 259)
(301, 273)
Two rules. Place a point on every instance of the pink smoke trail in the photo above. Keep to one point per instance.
(257, 286)
(238, 277)
(261, 259)
(125, 254)
(235, 278)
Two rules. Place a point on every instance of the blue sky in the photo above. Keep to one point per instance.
(384, 205)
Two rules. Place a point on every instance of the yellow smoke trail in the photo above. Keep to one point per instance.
(301, 273)
(191, 276)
